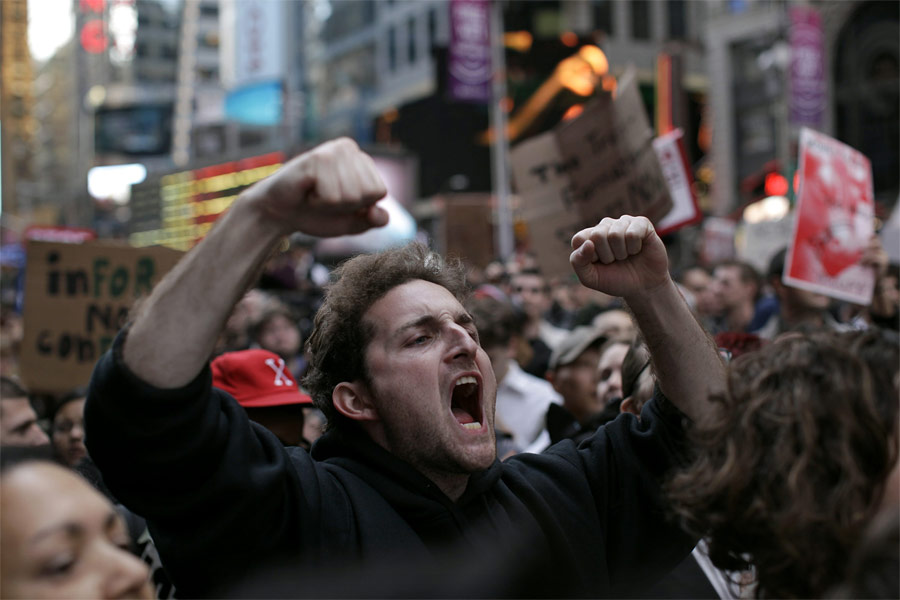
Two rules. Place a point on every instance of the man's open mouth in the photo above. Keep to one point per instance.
(465, 402)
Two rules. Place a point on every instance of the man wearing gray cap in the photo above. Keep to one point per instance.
(572, 372)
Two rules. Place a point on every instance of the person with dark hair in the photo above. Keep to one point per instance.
(572, 370)
(61, 538)
(18, 421)
(408, 466)
(277, 331)
(736, 286)
(67, 428)
(804, 310)
(522, 398)
(608, 373)
(793, 467)
(260, 382)
(531, 293)
(699, 282)
(798, 309)
(637, 378)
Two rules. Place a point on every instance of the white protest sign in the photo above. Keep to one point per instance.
(673, 161)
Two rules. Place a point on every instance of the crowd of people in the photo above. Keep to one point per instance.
(624, 432)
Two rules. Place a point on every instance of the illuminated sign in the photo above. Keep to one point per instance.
(123, 23)
(179, 209)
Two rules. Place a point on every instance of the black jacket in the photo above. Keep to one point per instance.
(221, 496)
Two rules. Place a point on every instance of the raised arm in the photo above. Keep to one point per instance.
(624, 257)
(330, 190)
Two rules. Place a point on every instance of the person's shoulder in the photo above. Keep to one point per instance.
(530, 385)
(551, 334)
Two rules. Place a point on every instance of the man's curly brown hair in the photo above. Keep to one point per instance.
(790, 466)
(340, 336)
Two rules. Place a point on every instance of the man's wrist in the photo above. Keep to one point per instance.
(256, 219)
(645, 299)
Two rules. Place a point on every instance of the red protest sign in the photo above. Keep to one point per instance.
(834, 221)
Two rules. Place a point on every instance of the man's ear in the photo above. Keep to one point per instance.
(628, 406)
(354, 402)
(551, 377)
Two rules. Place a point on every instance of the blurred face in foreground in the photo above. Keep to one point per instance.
(62, 539)
(430, 382)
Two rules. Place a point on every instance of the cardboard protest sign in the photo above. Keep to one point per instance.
(77, 296)
(469, 228)
(834, 221)
(600, 164)
(673, 161)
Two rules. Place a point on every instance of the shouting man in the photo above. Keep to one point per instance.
(408, 465)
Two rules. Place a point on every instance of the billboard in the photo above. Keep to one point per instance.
(469, 60)
(177, 210)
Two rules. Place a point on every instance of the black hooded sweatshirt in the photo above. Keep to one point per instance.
(223, 497)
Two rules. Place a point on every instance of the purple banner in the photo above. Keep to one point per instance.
(469, 61)
(807, 87)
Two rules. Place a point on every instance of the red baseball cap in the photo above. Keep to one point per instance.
(256, 378)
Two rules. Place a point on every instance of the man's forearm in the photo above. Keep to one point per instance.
(687, 363)
(330, 190)
(177, 327)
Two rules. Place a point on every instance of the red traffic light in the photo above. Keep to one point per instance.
(775, 185)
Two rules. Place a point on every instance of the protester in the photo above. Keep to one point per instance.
(11, 333)
(572, 372)
(236, 334)
(522, 399)
(62, 539)
(798, 309)
(313, 424)
(18, 421)
(637, 378)
(260, 382)
(736, 286)
(885, 308)
(609, 371)
(532, 294)
(874, 566)
(408, 465)
(276, 330)
(67, 428)
(614, 323)
(699, 282)
(793, 467)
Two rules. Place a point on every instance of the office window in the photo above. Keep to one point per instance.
(677, 19)
(432, 26)
(640, 19)
(411, 40)
(392, 49)
(603, 17)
